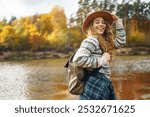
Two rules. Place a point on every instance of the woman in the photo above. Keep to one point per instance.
(95, 54)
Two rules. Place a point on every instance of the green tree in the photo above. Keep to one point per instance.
(87, 6)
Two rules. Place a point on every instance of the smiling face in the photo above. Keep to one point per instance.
(99, 26)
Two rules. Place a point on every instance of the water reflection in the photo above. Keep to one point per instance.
(13, 80)
(134, 86)
(46, 79)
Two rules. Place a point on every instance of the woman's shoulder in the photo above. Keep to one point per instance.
(92, 40)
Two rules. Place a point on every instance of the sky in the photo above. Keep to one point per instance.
(22, 8)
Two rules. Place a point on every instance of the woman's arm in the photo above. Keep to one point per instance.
(120, 39)
(83, 56)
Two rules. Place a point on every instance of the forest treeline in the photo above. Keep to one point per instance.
(40, 32)
(53, 32)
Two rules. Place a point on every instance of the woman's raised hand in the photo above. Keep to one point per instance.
(115, 17)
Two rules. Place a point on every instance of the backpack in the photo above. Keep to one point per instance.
(75, 77)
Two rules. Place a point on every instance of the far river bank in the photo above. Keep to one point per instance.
(27, 55)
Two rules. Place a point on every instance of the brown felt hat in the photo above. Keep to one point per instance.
(104, 14)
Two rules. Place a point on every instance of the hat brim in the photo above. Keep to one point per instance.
(104, 14)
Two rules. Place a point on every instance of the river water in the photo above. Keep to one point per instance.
(46, 79)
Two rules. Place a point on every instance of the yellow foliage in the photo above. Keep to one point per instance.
(1, 40)
(44, 23)
(6, 31)
(75, 37)
(136, 37)
(31, 30)
(38, 31)
(58, 18)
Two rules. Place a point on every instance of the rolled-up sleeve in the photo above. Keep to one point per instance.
(120, 39)
(83, 56)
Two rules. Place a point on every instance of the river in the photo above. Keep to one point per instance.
(46, 79)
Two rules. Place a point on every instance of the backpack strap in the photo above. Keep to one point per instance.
(69, 60)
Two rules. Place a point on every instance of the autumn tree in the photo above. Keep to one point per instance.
(9, 37)
(44, 24)
(58, 37)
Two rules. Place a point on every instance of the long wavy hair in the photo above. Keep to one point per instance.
(106, 40)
